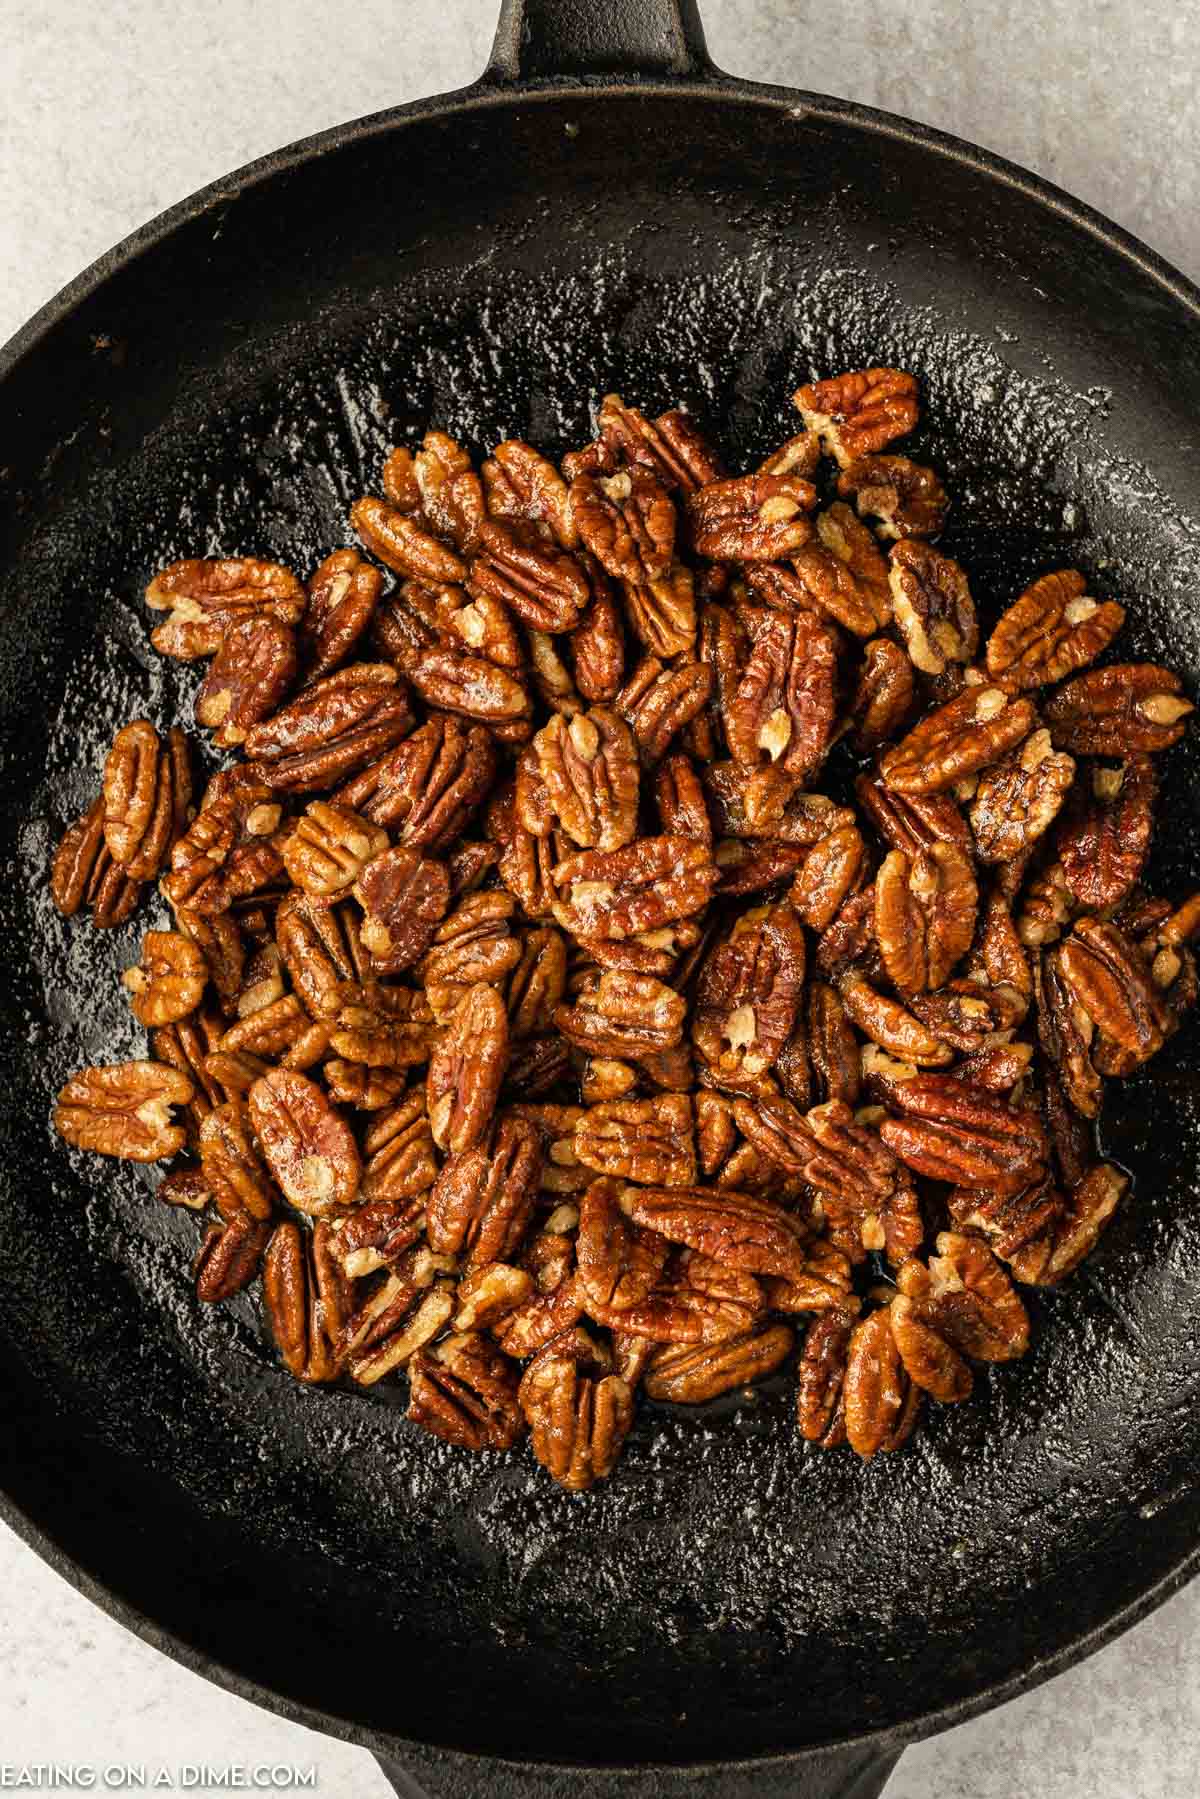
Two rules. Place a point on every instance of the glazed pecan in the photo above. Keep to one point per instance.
(486, 1295)
(932, 607)
(306, 1298)
(169, 981)
(453, 681)
(785, 703)
(826, 1284)
(885, 1022)
(1053, 629)
(1066, 1032)
(643, 1140)
(247, 679)
(342, 597)
(964, 735)
(465, 1392)
(619, 1264)
(310, 1149)
(752, 518)
(612, 895)
(748, 994)
(473, 944)
(365, 1088)
(537, 982)
(1103, 841)
(1018, 799)
(842, 575)
(883, 696)
(522, 488)
(743, 1232)
(404, 897)
(207, 598)
(679, 796)
(482, 1201)
(924, 915)
(1109, 979)
(690, 1373)
(1072, 1231)
(545, 587)
(408, 1309)
(227, 852)
(671, 447)
(879, 1401)
(906, 498)
(799, 455)
(952, 1132)
(912, 822)
(578, 1413)
(623, 1014)
(466, 1069)
(1126, 708)
(335, 727)
(627, 521)
(329, 848)
(398, 1146)
(962, 1304)
(830, 872)
(658, 701)
(429, 785)
(229, 1257)
(597, 643)
(556, 1302)
(1045, 907)
(858, 413)
(589, 770)
(124, 1110)
(382, 1027)
(451, 492)
(822, 1371)
(663, 613)
(147, 790)
(83, 873)
(186, 1045)
(401, 544)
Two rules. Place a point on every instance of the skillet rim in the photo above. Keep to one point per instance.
(485, 95)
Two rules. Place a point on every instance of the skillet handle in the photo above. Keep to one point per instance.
(832, 1774)
(539, 39)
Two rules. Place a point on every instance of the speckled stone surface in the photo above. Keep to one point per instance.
(108, 115)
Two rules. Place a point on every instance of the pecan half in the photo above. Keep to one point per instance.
(465, 1392)
(310, 1150)
(785, 703)
(227, 852)
(924, 915)
(1104, 840)
(306, 1298)
(752, 518)
(964, 735)
(883, 696)
(858, 413)
(1053, 629)
(691, 1373)
(879, 1401)
(932, 607)
(889, 1024)
(401, 544)
(1120, 710)
(522, 488)
(842, 575)
(657, 702)
(748, 995)
(229, 1257)
(619, 1263)
(1018, 799)
(329, 848)
(1115, 988)
(672, 446)
(645, 1140)
(831, 871)
(544, 586)
(623, 1014)
(663, 613)
(578, 1413)
(335, 727)
(404, 897)
(124, 1110)
(612, 895)
(482, 1202)
(963, 1304)
(466, 1070)
(429, 785)
(627, 521)
(169, 981)
(822, 1371)
(739, 1230)
(147, 790)
(207, 598)
(342, 597)
(400, 1158)
(247, 679)
(952, 1132)
(906, 498)
(590, 772)
(470, 685)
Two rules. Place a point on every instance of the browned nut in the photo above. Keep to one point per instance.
(169, 981)
(124, 1110)
(309, 1148)
(858, 413)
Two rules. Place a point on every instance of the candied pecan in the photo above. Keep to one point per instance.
(543, 585)
(826, 1284)
(879, 1402)
(578, 1413)
(226, 853)
(466, 1070)
(522, 488)
(382, 1027)
(1110, 980)
(482, 1201)
(486, 1295)
(1073, 1231)
(185, 1187)
(554, 1306)
(924, 915)
(752, 518)
(333, 728)
(831, 871)
(662, 613)
(970, 1016)
(597, 643)
(623, 1014)
(404, 897)
(147, 790)
(912, 822)
(740, 1230)
(619, 1264)
(474, 943)
(765, 802)
(1045, 908)
(964, 735)
(785, 703)
(1104, 840)
(1018, 799)
(952, 1132)
(891, 1026)
(883, 696)
(455, 682)
(401, 544)
(858, 413)
(309, 1148)
(1066, 1032)
(658, 701)
(696, 1300)
(819, 1410)
(905, 497)
(280, 1029)
(537, 982)
(1053, 629)
(428, 786)
(398, 1146)
(932, 607)
(690, 1373)
(799, 455)
(627, 521)
(679, 796)
(247, 679)
(644, 1140)
(1118, 711)
(962, 1304)
(220, 941)
(408, 1310)
(616, 894)
(229, 1256)
(186, 1045)
(1011, 1222)
(306, 1299)
(342, 597)
(842, 575)
(124, 1110)
(329, 848)
(169, 981)
(465, 1392)
(366, 1089)
(847, 947)
(748, 994)
(76, 860)
(671, 447)
(207, 598)
(451, 492)
(590, 774)
(316, 952)
(606, 1078)
(831, 1047)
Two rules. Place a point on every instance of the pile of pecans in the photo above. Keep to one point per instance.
(536, 1027)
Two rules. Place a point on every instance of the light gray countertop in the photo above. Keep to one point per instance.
(107, 115)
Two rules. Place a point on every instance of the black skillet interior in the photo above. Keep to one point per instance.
(494, 270)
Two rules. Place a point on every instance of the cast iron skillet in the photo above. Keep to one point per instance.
(602, 210)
